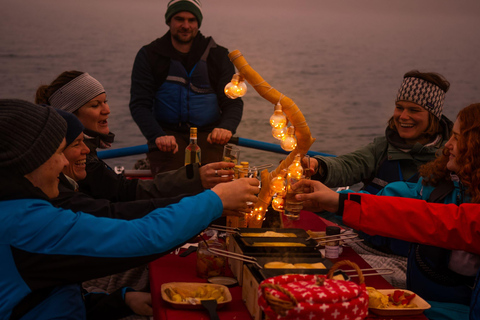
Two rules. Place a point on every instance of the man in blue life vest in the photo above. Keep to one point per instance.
(177, 83)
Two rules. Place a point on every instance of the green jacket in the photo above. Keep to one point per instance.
(362, 165)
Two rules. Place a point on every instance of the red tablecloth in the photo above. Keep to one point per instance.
(173, 268)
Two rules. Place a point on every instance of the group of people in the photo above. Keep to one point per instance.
(76, 236)
(433, 163)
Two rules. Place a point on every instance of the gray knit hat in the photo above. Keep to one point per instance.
(192, 6)
(29, 135)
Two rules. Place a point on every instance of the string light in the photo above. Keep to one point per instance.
(236, 88)
(279, 133)
(289, 143)
(278, 204)
(278, 119)
(278, 185)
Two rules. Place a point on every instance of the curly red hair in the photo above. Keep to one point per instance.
(468, 157)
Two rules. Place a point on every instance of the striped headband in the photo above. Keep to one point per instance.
(76, 93)
(423, 93)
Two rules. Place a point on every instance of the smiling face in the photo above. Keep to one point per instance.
(45, 177)
(183, 28)
(411, 121)
(76, 154)
(451, 145)
(94, 114)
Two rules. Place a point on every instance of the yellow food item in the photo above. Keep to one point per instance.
(338, 277)
(278, 244)
(268, 234)
(285, 265)
(205, 292)
(278, 265)
(376, 299)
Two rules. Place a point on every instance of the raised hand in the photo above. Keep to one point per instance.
(317, 196)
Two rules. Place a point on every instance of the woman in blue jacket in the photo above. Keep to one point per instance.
(46, 251)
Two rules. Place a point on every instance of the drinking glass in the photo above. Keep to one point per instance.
(231, 153)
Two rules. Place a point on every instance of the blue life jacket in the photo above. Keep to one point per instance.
(388, 171)
(187, 99)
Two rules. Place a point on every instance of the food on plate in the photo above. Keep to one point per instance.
(269, 234)
(278, 244)
(205, 292)
(398, 299)
(376, 299)
(278, 265)
(286, 265)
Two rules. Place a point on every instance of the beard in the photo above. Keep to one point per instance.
(183, 40)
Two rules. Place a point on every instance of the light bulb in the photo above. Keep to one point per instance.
(289, 143)
(295, 170)
(279, 133)
(278, 119)
(236, 87)
(278, 185)
(278, 204)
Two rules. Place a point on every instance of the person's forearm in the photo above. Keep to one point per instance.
(443, 225)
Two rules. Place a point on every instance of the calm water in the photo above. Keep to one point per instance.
(340, 61)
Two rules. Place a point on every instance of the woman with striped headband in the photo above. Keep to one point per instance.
(415, 133)
(80, 93)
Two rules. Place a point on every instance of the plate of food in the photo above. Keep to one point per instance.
(189, 295)
(395, 302)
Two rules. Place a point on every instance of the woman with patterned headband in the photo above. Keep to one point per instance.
(415, 133)
(439, 213)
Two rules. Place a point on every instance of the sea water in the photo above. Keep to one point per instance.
(341, 62)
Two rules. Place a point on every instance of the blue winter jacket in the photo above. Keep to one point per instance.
(48, 249)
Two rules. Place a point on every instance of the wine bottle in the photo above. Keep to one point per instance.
(192, 151)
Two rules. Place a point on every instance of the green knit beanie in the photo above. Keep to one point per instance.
(192, 6)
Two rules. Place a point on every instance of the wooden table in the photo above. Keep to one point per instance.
(173, 268)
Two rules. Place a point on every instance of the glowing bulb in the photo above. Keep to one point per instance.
(295, 170)
(279, 133)
(289, 143)
(236, 87)
(278, 204)
(278, 119)
(278, 185)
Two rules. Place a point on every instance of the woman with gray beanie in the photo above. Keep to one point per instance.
(44, 251)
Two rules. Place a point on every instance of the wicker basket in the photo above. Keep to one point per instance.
(303, 296)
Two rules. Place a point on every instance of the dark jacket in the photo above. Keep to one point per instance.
(103, 183)
(45, 251)
(151, 68)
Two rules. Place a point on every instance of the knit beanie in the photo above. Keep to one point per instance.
(192, 6)
(29, 135)
(74, 126)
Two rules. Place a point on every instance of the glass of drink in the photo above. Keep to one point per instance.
(210, 264)
(292, 205)
(231, 153)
